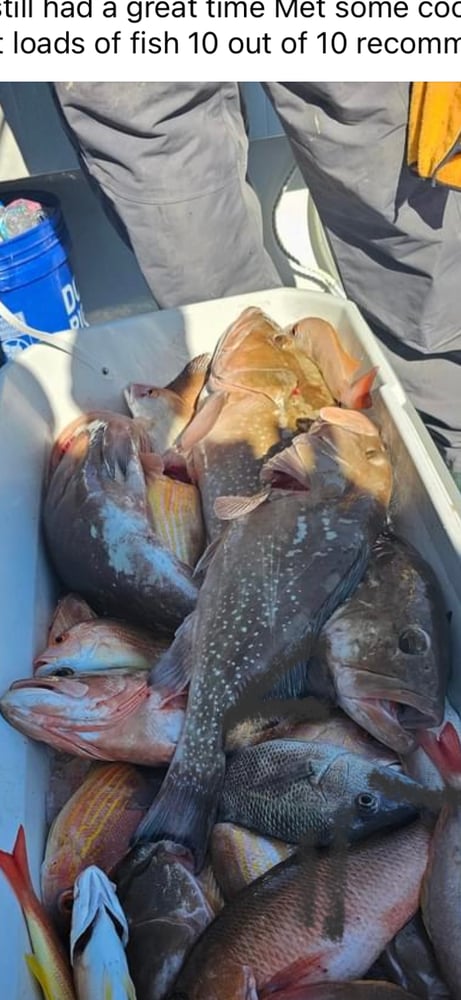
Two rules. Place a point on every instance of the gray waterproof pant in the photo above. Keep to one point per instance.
(170, 161)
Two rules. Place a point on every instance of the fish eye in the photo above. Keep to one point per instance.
(59, 638)
(66, 901)
(64, 672)
(367, 802)
(414, 640)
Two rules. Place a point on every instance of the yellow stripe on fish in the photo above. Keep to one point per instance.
(176, 516)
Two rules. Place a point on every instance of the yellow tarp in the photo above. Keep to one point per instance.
(434, 131)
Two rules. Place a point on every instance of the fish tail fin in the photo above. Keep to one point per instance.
(15, 868)
(444, 750)
(357, 394)
(185, 808)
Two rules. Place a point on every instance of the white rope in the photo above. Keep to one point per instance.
(317, 275)
(48, 339)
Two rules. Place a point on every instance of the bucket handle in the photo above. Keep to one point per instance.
(48, 339)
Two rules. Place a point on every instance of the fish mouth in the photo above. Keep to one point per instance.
(414, 708)
(52, 663)
(380, 718)
(75, 689)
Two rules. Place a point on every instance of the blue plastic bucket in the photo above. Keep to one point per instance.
(36, 281)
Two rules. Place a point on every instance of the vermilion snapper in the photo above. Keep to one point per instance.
(117, 716)
(93, 828)
(99, 645)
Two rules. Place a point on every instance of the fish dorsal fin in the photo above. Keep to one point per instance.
(203, 421)
(71, 610)
(229, 508)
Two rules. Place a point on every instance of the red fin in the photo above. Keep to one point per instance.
(15, 868)
(357, 395)
(300, 973)
(444, 750)
(228, 508)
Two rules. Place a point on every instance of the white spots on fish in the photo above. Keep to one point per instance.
(301, 529)
(93, 531)
(331, 535)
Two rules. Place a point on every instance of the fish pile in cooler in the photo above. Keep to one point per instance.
(256, 768)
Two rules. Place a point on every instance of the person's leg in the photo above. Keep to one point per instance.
(396, 239)
(170, 161)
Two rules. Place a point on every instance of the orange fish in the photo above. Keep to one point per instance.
(168, 409)
(117, 716)
(99, 645)
(93, 828)
(48, 962)
(339, 369)
(318, 916)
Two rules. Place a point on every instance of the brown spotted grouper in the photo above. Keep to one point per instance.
(288, 557)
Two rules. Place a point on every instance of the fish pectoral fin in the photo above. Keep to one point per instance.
(357, 394)
(229, 508)
(205, 559)
(70, 610)
(173, 670)
(444, 750)
(202, 422)
(349, 420)
(41, 975)
(300, 973)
